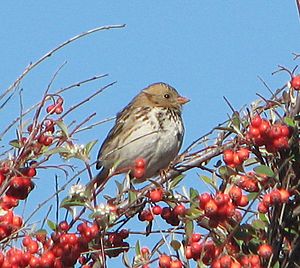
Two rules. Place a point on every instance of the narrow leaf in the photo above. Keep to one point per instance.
(176, 181)
(264, 170)
(63, 127)
(51, 225)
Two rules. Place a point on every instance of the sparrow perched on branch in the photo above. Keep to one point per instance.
(149, 128)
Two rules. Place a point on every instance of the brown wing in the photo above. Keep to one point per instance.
(111, 140)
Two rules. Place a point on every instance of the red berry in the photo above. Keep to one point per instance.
(264, 251)
(179, 210)
(253, 132)
(235, 193)
(51, 109)
(284, 195)
(33, 247)
(140, 163)
(211, 208)
(262, 208)
(165, 261)
(243, 201)
(63, 226)
(220, 199)
(188, 252)
(156, 195)
(145, 251)
(138, 173)
(228, 156)
(267, 200)
(236, 160)
(157, 210)
(124, 233)
(295, 82)
(243, 153)
(176, 264)
(203, 199)
(30, 172)
(59, 109)
(196, 248)
(285, 131)
(275, 197)
(264, 127)
(48, 140)
(195, 237)
(60, 100)
(225, 261)
(281, 143)
(256, 121)
(275, 131)
(166, 213)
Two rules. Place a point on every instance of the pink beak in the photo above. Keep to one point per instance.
(182, 100)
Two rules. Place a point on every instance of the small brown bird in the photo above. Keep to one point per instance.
(150, 127)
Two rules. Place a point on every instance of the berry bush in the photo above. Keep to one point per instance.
(248, 216)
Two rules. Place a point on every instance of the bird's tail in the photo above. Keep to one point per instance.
(99, 180)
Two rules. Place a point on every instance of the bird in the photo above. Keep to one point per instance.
(150, 127)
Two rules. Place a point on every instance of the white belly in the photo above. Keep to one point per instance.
(157, 143)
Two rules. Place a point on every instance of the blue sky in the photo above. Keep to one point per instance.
(205, 49)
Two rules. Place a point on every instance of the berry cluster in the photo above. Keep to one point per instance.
(56, 107)
(9, 223)
(276, 196)
(248, 182)
(222, 207)
(45, 137)
(235, 158)
(295, 82)
(204, 250)
(63, 249)
(170, 215)
(274, 136)
(115, 244)
(166, 261)
(226, 261)
(139, 168)
(18, 188)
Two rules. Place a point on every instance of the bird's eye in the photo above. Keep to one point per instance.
(166, 96)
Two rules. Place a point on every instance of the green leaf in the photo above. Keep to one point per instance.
(236, 120)
(63, 127)
(69, 202)
(259, 224)
(137, 248)
(89, 146)
(15, 143)
(175, 244)
(132, 196)
(224, 128)
(189, 228)
(125, 260)
(276, 265)
(57, 150)
(194, 213)
(206, 179)
(252, 196)
(193, 193)
(41, 231)
(176, 181)
(263, 217)
(226, 171)
(51, 225)
(264, 170)
(289, 121)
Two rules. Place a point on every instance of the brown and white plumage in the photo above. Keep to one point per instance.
(149, 127)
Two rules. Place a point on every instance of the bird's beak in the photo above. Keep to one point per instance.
(182, 100)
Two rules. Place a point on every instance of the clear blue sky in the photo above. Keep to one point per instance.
(206, 49)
